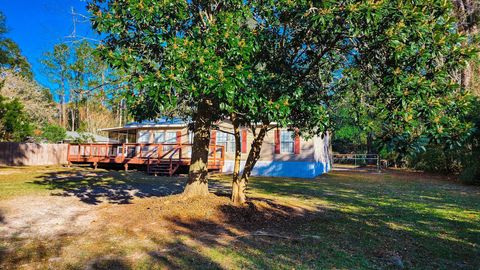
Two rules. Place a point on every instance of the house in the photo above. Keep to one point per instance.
(282, 154)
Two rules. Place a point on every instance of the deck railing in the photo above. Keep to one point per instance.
(138, 153)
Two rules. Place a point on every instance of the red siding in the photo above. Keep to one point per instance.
(213, 137)
(244, 141)
(296, 145)
(179, 137)
(277, 141)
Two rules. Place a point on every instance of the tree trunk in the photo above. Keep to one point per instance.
(62, 111)
(253, 156)
(197, 184)
(369, 147)
(73, 119)
(238, 184)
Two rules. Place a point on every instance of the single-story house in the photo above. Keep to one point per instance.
(282, 154)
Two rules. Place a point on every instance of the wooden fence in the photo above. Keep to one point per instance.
(32, 154)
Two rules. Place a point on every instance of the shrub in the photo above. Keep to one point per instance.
(471, 174)
(53, 133)
(14, 122)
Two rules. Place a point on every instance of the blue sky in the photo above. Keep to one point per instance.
(37, 25)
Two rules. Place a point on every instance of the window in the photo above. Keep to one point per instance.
(286, 141)
(227, 140)
(159, 137)
(170, 138)
(143, 137)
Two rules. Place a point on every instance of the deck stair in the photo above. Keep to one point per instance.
(163, 168)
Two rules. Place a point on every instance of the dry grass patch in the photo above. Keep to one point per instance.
(84, 219)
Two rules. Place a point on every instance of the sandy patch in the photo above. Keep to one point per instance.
(7, 172)
(44, 216)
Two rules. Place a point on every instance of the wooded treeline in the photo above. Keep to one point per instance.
(451, 151)
(89, 93)
(84, 94)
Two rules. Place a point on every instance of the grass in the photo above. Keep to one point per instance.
(338, 221)
(16, 181)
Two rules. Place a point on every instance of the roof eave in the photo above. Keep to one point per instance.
(144, 127)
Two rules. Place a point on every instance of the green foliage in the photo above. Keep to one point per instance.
(294, 65)
(53, 133)
(401, 74)
(470, 158)
(14, 122)
(397, 84)
(177, 53)
(383, 67)
(471, 174)
(459, 157)
(435, 159)
(79, 78)
(38, 105)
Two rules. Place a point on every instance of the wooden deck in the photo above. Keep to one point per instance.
(159, 158)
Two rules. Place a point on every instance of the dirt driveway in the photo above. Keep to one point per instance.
(45, 216)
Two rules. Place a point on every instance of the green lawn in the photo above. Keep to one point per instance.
(365, 221)
(337, 221)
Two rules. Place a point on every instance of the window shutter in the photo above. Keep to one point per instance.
(296, 145)
(244, 141)
(179, 137)
(213, 137)
(277, 141)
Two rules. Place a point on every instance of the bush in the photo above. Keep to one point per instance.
(436, 159)
(53, 133)
(14, 122)
(471, 174)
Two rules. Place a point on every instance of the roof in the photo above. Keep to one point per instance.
(158, 123)
(72, 135)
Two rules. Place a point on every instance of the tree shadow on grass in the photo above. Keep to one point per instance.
(94, 187)
(116, 187)
(107, 263)
(267, 234)
(178, 255)
(364, 225)
(329, 238)
(197, 243)
(433, 225)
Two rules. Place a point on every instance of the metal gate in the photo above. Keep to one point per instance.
(356, 162)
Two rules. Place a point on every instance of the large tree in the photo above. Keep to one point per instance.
(393, 60)
(293, 74)
(187, 54)
(258, 62)
(407, 53)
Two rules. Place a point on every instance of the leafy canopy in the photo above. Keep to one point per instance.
(406, 53)
(289, 61)
(14, 122)
(177, 52)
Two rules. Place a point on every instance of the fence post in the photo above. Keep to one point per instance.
(378, 163)
(123, 151)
